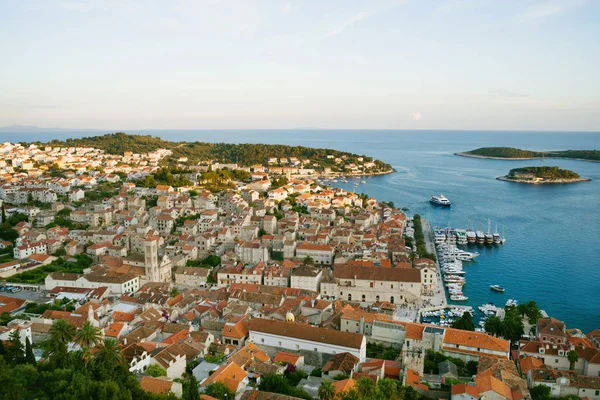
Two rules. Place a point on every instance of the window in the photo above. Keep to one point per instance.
(297, 347)
(408, 343)
(364, 298)
(377, 298)
(262, 340)
(556, 361)
(371, 284)
(316, 349)
(392, 286)
(349, 296)
(392, 299)
(279, 343)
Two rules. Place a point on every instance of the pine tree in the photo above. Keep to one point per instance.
(3, 213)
(29, 357)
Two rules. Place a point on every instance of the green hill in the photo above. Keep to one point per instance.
(512, 153)
(548, 173)
(242, 154)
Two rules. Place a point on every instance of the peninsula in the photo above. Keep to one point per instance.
(535, 175)
(294, 160)
(510, 153)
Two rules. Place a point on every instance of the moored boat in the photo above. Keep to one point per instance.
(496, 288)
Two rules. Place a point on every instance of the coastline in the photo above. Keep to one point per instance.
(462, 154)
(557, 181)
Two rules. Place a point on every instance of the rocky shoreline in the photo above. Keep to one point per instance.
(541, 182)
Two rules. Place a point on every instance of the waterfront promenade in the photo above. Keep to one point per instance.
(439, 297)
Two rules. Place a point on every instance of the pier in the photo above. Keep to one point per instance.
(439, 297)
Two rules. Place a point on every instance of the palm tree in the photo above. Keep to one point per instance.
(326, 390)
(62, 332)
(573, 357)
(88, 336)
(109, 356)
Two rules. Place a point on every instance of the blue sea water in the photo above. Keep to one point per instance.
(552, 253)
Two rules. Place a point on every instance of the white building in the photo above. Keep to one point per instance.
(303, 337)
(306, 277)
(320, 253)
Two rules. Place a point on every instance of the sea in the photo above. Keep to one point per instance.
(552, 249)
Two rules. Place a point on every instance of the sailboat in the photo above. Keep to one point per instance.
(489, 238)
(496, 236)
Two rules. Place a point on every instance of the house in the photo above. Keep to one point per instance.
(306, 338)
(231, 375)
(161, 386)
(297, 360)
(307, 278)
(172, 359)
(373, 284)
(191, 276)
(320, 253)
(235, 333)
(341, 364)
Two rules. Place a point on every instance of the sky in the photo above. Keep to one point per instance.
(343, 64)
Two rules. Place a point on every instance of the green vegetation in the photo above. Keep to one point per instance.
(512, 328)
(420, 239)
(366, 389)
(219, 391)
(208, 262)
(59, 265)
(280, 384)
(169, 176)
(155, 371)
(68, 375)
(465, 322)
(546, 173)
(376, 350)
(6, 227)
(432, 359)
(509, 152)
(242, 154)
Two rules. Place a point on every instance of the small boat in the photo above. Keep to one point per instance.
(363, 181)
(459, 297)
(512, 303)
(440, 200)
(497, 288)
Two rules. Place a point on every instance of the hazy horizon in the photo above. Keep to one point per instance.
(269, 64)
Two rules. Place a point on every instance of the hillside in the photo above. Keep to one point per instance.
(242, 154)
(542, 175)
(518, 154)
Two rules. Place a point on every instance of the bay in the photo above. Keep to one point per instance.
(552, 253)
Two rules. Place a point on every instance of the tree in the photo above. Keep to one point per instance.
(88, 336)
(493, 325)
(365, 388)
(155, 371)
(15, 352)
(308, 260)
(573, 357)
(3, 213)
(465, 322)
(190, 389)
(110, 357)
(29, 356)
(219, 391)
(540, 392)
(388, 388)
(326, 390)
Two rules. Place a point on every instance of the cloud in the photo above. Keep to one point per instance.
(548, 8)
(416, 115)
(508, 93)
(347, 23)
(361, 16)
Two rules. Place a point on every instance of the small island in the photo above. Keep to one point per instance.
(536, 175)
(510, 153)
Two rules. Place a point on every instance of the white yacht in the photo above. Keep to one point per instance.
(440, 200)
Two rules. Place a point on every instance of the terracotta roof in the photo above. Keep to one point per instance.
(307, 332)
(236, 331)
(462, 388)
(487, 382)
(287, 358)
(155, 385)
(314, 247)
(114, 329)
(344, 385)
(344, 362)
(344, 271)
(229, 374)
(527, 363)
(413, 379)
(475, 339)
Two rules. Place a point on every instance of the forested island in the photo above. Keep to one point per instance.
(535, 175)
(244, 155)
(510, 153)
